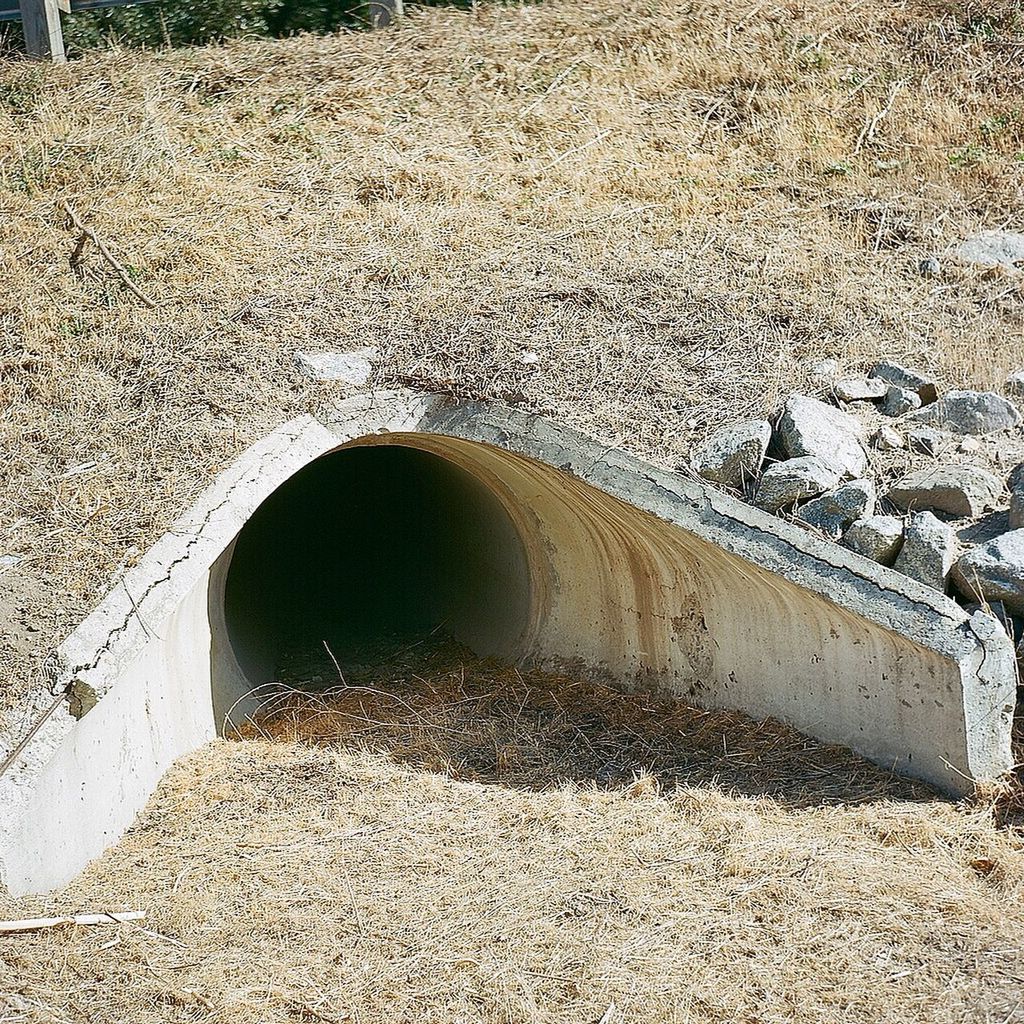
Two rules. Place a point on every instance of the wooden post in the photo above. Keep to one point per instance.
(40, 21)
(384, 12)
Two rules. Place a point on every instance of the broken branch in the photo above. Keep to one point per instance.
(90, 233)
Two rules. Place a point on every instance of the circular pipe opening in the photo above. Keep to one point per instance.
(373, 543)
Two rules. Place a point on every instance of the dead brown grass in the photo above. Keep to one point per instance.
(455, 841)
(674, 207)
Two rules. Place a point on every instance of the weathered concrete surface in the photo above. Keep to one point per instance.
(641, 575)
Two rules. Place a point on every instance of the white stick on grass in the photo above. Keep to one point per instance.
(35, 924)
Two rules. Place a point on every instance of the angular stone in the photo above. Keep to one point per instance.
(969, 412)
(994, 571)
(833, 512)
(1016, 513)
(1015, 384)
(888, 439)
(808, 427)
(350, 367)
(928, 551)
(785, 483)
(911, 380)
(876, 537)
(859, 389)
(993, 249)
(1001, 613)
(961, 491)
(899, 400)
(1015, 482)
(733, 454)
(970, 445)
(926, 441)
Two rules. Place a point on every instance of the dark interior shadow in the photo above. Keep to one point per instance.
(430, 704)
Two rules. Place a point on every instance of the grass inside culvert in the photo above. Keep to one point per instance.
(445, 838)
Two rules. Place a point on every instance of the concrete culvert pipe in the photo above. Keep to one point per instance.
(400, 512)
(374, 541)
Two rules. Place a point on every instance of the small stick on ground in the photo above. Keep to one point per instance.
(36, 924)
(90, 234)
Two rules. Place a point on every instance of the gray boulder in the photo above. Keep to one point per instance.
(927, 440)
(899, 400)
(961, 491)
(785, 483)
(993, 249)
(876, 537)
(833, 512)
(969, 412)
(733, 454)
(859, 389)
(811, 428)
(911, 380)
(928, 551)
(1015, 481)
(994, 571)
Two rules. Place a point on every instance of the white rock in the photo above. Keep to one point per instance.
(876, 537)
(993, 249)
(824, 369)
(888, 439)
(808, 427)
(785, 483)
(860, 389)
(961, 491)
(994, 571)
(350, 367)
(732, 455)
(928, 551)
(969, 412)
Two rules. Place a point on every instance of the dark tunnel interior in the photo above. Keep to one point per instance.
(373, 543)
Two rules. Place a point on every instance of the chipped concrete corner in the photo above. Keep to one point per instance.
(650, 578)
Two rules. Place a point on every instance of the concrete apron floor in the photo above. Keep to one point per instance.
(523, 541)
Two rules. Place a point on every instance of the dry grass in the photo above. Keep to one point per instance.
(673, 207)
(471, 844)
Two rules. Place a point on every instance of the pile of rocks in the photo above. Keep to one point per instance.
(899, 472)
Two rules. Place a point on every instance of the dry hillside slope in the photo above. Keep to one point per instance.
(673, 208)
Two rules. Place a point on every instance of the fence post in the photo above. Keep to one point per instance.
(40, 21)
(384, 12)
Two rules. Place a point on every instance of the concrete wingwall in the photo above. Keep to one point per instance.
(560, 551)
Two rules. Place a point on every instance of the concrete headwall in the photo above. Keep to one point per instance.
(646, 577)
